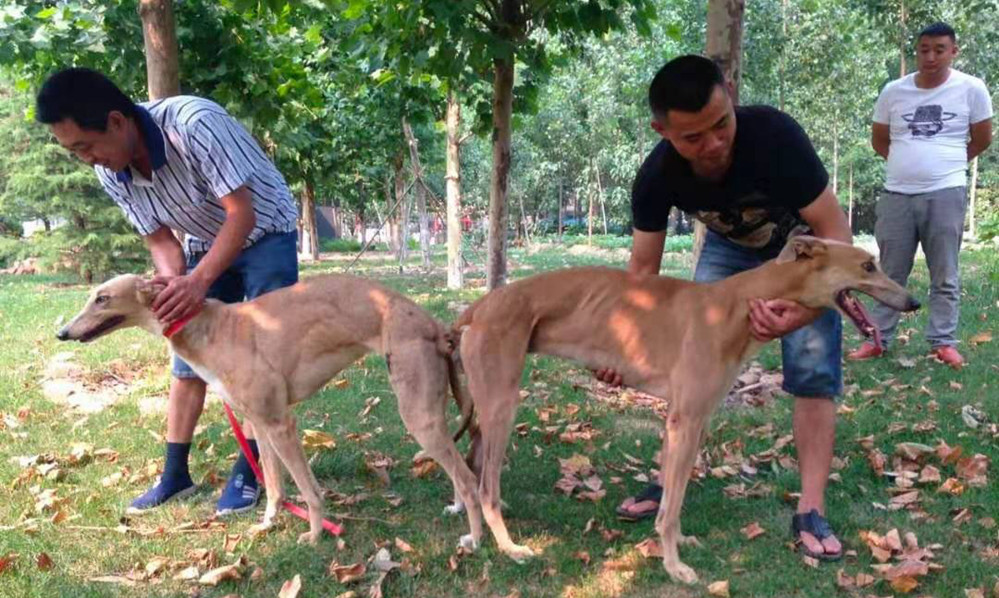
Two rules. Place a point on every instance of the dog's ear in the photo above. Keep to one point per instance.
(146, 291)
(801, 247)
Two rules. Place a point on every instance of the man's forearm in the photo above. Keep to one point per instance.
(227, 246)
(166, 252)
(975, 149)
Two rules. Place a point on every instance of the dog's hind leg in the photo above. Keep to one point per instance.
(283, 437)
(270, 464)
(419, 378)
(494, 386)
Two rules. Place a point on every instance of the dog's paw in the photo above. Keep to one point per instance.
(456, 509)
(680, 572)
(689, 541)
(519, 553)
(309, 538)
(259, 529)
(467, 542)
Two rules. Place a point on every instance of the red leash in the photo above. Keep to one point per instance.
(245, 446)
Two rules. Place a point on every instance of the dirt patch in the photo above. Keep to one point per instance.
(66, 382)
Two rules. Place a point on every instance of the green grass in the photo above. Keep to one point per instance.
(32, 308)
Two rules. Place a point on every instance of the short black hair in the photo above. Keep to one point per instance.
(83, 95)
(684, 83)
(938, 29)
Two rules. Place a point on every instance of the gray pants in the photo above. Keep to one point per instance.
(936, 221)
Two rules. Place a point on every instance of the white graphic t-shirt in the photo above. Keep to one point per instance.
(929, 130)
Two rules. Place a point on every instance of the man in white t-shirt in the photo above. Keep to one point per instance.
(928, 125)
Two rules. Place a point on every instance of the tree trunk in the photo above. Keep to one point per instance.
(600, 195)
(310, 233)
(783, 53)
(390, 225)
(523, 220)
(590, 215)
(502, 113)
(160, 35)
(835, 181)
(421, 191)
(972, 194)
(397, 226)
(402, 209)
(849, 212)
(452, 177)
(724, 46)
(561, 205)
(902, 40)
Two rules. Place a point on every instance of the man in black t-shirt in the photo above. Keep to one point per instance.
(752, 176)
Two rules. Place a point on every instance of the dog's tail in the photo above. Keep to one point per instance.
(451, 341)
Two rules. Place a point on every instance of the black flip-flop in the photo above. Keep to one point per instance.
(652, 492)
(817, 525)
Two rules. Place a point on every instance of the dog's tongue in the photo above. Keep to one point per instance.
(875, 331)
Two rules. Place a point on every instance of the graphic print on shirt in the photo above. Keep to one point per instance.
(927, 120)
(750, 224)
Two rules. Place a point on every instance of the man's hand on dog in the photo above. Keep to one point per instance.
(180, 296)
(773, 318)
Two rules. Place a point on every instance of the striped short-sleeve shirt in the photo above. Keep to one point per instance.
(199, 153)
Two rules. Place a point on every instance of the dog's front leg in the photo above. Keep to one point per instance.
(680, 445)
(284, 439)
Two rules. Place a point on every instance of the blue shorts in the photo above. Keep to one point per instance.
(812, 355)
(270, 263)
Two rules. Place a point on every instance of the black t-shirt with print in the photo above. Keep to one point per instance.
(774, 173)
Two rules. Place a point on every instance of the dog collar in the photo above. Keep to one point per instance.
(178, 325)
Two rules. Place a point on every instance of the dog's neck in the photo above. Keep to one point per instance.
(772, 280)
(178, 325)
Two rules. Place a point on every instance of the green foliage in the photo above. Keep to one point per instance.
(340, 246)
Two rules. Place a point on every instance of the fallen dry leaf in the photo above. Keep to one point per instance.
(907, 569)
(719, 588)
(291, 587)
(347, 573)
(844, 581)
(231, 541)
(403, 545)
(951, 486)
(44, 562)
(973, 593)
(424, 468)
(811, 562)
(981, 338)
(117, 579)
(650, 548)
(929, 474)
(315, 440)
(189, 574)
(904, 585)
(864, 579)
(752, 530)
(220, 574)
(584, 556)
(7, 562)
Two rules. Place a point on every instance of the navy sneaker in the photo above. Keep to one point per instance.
(163, 492)
(241, 494)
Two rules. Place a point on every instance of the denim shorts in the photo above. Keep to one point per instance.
(270, 263)
(812, 355)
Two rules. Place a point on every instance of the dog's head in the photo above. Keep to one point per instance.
(834, 271)
(121, 302)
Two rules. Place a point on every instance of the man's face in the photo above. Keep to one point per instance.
(111, 148)
(703, 138)
(935, 54)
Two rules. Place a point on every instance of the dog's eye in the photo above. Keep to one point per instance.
(869, 267)
(102, 299)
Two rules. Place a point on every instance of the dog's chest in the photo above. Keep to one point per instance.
(211, 379)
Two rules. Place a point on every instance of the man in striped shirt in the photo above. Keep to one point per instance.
(183, 163)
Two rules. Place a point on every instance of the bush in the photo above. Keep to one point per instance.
(11, 251)
(339, 246)
(989, 228)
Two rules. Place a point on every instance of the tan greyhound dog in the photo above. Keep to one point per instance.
(676, 339)
(267, 354)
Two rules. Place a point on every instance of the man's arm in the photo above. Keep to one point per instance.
(167, 254)
(646, 252)
(184, 294)
(826, 218)
(777, 317)
(881, 139)
(981, 138)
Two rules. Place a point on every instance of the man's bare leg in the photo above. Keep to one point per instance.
(814, 424)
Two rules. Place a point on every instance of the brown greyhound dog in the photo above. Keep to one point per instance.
(267, 354)
(671, 338)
